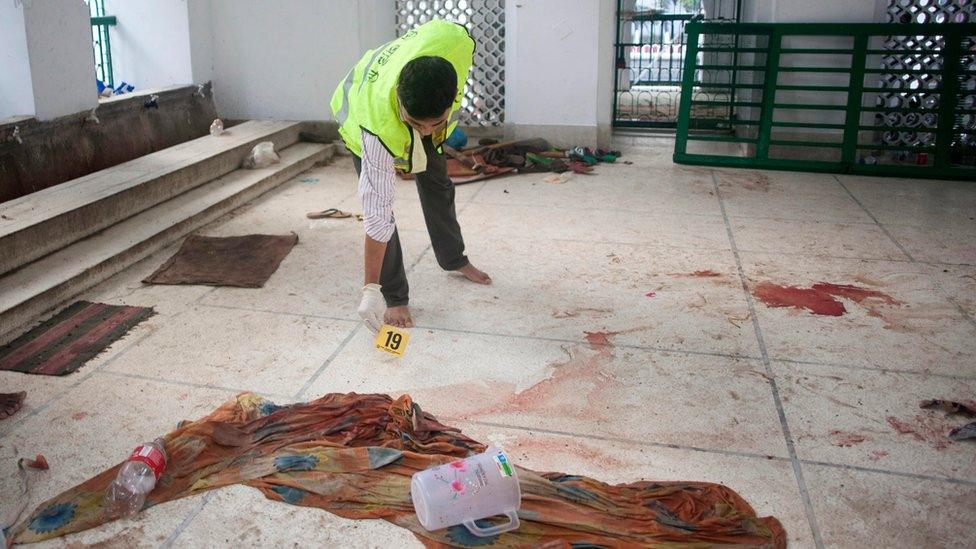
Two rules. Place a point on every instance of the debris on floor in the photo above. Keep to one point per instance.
(39, 462)
(69, 339)
(354, 455)
(243, 261)
(261, 156)
(10, 516)
(492, 158)
(951, 407)
(557, 178)
(10, 403)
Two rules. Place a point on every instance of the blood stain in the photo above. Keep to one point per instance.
(78, 416)
(815, 301)
(599, 339)
(650, 294)
(925, 429)
(821, 298)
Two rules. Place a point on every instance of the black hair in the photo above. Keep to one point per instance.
(427, 86)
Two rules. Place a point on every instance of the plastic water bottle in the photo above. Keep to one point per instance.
(127, 493)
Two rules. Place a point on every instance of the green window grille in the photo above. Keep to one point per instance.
(828, 97)
(101, 44)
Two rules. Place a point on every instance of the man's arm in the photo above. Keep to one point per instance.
(377, 191)
(374, 253)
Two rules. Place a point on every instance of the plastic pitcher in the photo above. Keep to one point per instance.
(466, 490)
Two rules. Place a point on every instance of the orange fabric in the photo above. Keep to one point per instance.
(354, 455)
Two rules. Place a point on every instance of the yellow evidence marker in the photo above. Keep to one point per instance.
(392, 340)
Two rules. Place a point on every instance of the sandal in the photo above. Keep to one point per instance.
(331, 213)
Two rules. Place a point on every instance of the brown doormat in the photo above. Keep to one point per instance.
(70, 338)
(243, 261)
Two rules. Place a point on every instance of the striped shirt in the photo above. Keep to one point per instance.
(377, 189)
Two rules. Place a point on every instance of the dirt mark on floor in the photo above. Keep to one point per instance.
(846, 439)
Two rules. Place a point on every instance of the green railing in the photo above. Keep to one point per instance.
(875, 99)
(101, 43)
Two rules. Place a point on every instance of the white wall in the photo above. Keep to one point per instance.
(201, 40)
(59, 46)
(283, 59)
(558, 67)
(16, 92)
(150, 43)
(811, 11)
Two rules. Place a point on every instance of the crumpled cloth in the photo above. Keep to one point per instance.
(354, 455)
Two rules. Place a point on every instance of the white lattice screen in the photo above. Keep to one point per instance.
(922, 90)
(483, 103)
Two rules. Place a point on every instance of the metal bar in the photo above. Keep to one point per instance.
(814, 69)
(808, 125)
(874, 147)
(726, 103)
(794, 143)
(735, 60)
(813, 88)
(728, 86)
(950, 86)
(732, 49)
(815, 51)
(917, 129)
(727, 67)
(688, 77)
(723, 138)
(834, 29)
(901, 91)
(109, 73)
(898, 109)
(848, 154)
(802, 106)
(918, 51)
(769, 94)
(901, 71)
(618, 57)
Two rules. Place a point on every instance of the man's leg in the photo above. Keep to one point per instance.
(393, 278)
(437, 201)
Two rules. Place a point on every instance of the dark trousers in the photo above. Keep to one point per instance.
(436, 192)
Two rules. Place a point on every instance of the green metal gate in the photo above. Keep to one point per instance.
(834, 98)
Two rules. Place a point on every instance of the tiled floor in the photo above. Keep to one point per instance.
(701, 381)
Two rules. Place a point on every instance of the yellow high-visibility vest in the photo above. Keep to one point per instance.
(366, 99)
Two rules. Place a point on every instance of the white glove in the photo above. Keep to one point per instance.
(372, 307)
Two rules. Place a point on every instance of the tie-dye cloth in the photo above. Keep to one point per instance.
(354, 455)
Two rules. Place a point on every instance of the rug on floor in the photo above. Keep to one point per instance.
(63, 343)
(243, 261)
(354, 455)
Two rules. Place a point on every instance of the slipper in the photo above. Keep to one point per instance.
(331, 213)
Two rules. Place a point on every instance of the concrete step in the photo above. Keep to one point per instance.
(28, 293)
(46, 221)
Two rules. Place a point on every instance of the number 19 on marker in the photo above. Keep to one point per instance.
(392, 340)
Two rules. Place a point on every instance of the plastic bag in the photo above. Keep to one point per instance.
(262, 156)
(217, 128)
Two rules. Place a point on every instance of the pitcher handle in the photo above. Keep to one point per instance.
(513, 523)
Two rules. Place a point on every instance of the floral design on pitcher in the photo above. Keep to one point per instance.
(457, 485)
(458, 465)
